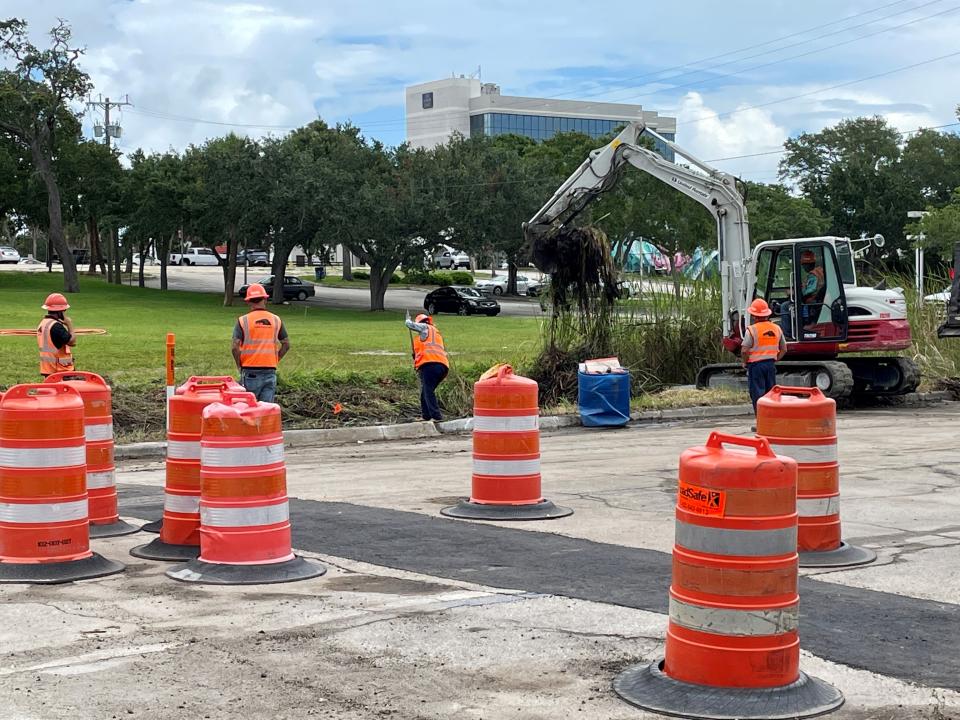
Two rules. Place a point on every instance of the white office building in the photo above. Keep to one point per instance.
(436, 110)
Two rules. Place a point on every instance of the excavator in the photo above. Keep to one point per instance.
(809, 283)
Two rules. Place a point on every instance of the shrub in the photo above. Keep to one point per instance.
(441, 278)
(461, 277)
(416, 276)
(361, 275)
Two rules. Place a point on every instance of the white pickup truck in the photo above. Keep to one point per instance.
(195, 256)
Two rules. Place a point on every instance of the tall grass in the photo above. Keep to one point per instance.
(938, 359)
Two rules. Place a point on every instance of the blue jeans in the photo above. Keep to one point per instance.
(761, 376)
(431, 375)
(262, 382)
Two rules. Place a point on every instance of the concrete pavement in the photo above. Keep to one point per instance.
(426, 617)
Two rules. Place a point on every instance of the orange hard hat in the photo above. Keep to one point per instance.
(55, 302)
(423, 318)
(759, 308)
(807, 256)
(256, 292)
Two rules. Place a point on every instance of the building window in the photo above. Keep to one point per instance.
(426, 100)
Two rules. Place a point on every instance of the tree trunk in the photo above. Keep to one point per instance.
(93, 234)
(41, 163)
(117, 257)
(110, 262)
(164, 257)
(144, 251)
(129, 258)
(511, 278)
(230, 270)
(347, 265)
(33, 236)
(379, 281)
(279, 267)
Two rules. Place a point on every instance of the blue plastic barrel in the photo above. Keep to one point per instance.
(604, 400)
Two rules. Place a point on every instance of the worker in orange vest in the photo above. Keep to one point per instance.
(55, 336)
(763, 344)
(430, 362)
(259, 343)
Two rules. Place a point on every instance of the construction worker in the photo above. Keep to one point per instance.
(813, 282)
(762, 345)
(55, 336)
(259, 343)
(430, 362)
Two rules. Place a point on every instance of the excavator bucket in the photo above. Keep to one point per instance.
(951, 326)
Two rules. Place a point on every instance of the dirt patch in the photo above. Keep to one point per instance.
(385, 585)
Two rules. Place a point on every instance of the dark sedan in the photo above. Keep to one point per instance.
(460, 300)
(293, 288)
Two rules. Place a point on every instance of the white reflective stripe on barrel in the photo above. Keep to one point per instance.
(97, 480)
(60, 457)
(244, 517)
(514, 423)
(728, 621)
(808, 453)
(183, 449)
(241, 456)
(818, 507)
(187, 504)
(748, 543)
(43, 512)
(98, 433)
(506, 467)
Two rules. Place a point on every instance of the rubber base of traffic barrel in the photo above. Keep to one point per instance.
(59, 572)
(844, 556)
(154, 526)
(114, 529)
(198, 571)
(159, 550)
(648, 688)
(543, 510)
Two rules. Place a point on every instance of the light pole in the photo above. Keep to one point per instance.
(918, 251)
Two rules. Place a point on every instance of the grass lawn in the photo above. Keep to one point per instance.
(324, 340)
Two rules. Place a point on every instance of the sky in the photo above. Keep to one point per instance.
(739, 77)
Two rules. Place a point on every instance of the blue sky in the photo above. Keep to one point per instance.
(263, 67)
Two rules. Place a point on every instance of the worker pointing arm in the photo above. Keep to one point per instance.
(431, 363)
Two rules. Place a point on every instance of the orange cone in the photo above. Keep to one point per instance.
(732, 649)
(244, 511)
(801, 423)
(44, 530)
(506, 452)
(101, 474)
(180, 528)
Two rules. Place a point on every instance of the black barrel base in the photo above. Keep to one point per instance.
(159, 550)
(198, 571)
(59, 572)
(154, 526)
(844, 556)
(114, 529)
(648, 688)
(543, 510)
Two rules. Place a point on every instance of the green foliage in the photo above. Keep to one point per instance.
(443, 278)
(940, 227)
(775, 214)
(461, 277)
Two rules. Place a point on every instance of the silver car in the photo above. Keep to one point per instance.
(9, 255)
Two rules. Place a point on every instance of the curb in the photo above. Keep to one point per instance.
(423, 430)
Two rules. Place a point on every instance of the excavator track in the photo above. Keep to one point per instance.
(833, 377)
(883, 376)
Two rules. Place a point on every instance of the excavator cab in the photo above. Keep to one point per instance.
(803, 284)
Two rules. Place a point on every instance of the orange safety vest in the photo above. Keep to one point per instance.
(52, 358)
(766, 341)
(261, 335)
(429, 350)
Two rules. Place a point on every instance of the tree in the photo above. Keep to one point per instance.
(851, 173)
(775, 214)
(940, 226)
(34, 101)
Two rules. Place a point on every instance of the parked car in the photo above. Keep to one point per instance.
(461, 300)
(536, 288)
(147, 260)
(451, 259)
(255, 257)
(940, 298)
(195, 256)
(9, 255)
(498, 285)
(293, 287)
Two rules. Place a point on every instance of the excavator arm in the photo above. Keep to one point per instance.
(716, 191)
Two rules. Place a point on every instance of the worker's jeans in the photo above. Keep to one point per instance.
(761, 376)
(431, 375)
(262, 382)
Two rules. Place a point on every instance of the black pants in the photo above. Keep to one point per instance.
(431, 375)
(761, 376)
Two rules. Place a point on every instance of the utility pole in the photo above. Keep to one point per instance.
(107, 130)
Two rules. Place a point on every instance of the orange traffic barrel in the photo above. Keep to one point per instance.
(506, 452)
(732, 649)
(180, 526)
(101, 474)
(44, 531)
(801, 423)
(244, 511)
